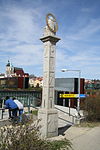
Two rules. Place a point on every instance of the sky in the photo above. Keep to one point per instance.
(22, 24)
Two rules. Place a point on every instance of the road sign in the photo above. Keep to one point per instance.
(68, 95)
(82, 95)
(71, 95)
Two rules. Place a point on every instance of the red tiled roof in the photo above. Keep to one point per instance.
(18, 71)
(39, 78)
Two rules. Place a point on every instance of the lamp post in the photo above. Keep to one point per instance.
(78, 102)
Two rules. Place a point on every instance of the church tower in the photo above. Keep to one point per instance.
(8, 69)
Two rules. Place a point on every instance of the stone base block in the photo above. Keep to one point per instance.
(48, 122)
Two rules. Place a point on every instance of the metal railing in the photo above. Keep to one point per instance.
(27, 98)
(73, 117)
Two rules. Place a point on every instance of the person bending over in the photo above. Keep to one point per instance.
(20, 108)
(11, 106)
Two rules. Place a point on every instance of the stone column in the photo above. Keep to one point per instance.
(47, 114)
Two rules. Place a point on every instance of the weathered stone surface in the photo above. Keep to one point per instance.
(47, 114)
(48, 122)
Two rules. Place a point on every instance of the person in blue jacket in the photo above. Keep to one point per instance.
(11, 105)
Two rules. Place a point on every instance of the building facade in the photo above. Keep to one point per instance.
(12, 71)
(92, 84)
(14, 77)
(67, 86)
(36, 82)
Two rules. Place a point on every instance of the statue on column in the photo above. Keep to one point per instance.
(51, 27)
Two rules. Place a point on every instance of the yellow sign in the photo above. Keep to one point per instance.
(68, 95)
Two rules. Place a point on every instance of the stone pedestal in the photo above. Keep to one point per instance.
(48, 122)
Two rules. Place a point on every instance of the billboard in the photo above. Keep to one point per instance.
(14, 82)
(8, 82)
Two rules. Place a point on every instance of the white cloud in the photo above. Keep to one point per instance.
(84, 33)
(21, 27)
(28, 55)
(20, 37)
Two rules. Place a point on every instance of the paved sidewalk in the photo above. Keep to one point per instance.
(75, 132)
(82, 138)
(87, 139)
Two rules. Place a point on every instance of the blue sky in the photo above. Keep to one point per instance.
(21, 27)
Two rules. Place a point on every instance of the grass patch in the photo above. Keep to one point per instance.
(61, 144)
(35, 112)
(89, 124)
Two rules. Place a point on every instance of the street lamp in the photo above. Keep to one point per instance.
(78, 102)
